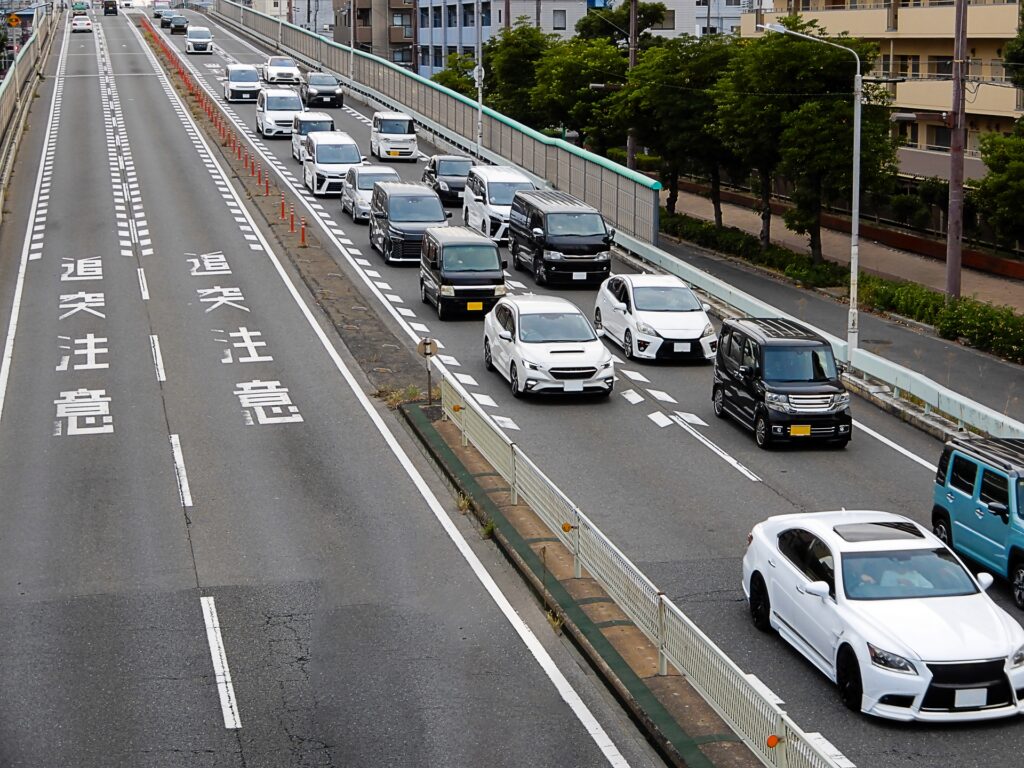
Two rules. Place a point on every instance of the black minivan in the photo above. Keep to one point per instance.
(779, 378)
(460, 271)
(559, 238)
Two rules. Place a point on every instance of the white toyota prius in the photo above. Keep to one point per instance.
(887, 612)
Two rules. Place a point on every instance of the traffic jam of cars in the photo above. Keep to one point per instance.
(897, 615)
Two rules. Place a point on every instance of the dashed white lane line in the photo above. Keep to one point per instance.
(158, 360)
(716, 450)
(505, 422)
(221, 671)
(485, 400)
(449, 361)
(664, 397)
(632, 396)
(143, 285)
(184, 493)
(634, 375)
(691, 418)
(659, 418)
(465, 378)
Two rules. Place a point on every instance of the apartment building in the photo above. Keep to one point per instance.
(706, 17)
(915, 39)
(382, 27)
(276, 8)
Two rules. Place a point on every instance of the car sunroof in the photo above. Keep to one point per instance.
(881, 531)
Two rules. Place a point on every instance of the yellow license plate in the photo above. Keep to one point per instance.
(474, 305)
(392, 153)
(800, 430)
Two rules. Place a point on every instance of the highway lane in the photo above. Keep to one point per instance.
(228, 572)
(675, 506)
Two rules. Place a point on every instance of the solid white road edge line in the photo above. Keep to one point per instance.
(158, 361)
(221, 672)
(543, 658)
(19, 286)
(715, 449)
(184, 493)
(896, 447)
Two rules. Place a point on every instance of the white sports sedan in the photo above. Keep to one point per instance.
(81, 24)
(545, 343)
(886, 611)
(281, 69)
(655, 317)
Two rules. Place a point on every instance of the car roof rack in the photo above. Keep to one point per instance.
(1007, 453)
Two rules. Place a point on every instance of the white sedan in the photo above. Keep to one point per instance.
(655, 317)
(887, 612)
(81, 24)
(546, 344)
(281, 69)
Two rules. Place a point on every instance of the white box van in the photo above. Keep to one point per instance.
(275, 110)
(393, 136)
(307, 122)
(199, 40)
(487, 199)
(241, 82)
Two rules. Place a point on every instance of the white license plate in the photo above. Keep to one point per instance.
(577, 386)
(579, 275)
(970, 697)
(681, 346)
(247, 95)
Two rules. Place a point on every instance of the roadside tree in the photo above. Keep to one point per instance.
(510, 62)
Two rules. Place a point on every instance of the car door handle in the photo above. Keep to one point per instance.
(979, 513)
(771, 563)
(799, 589)
(949, 497)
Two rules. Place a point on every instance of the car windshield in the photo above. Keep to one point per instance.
(575, 224)
(284, 104)
(502, 192)
(799, 364)
(199, 34)
(549, 327)
(665, 298)
(179, 20)
(904, 574)
(322, 80)
(281, 61)
(338, 153)
(454, 167)
(471, 258)
(416, 208)
(396, 126)
(245, 76)
(367, 180)
(307, 126)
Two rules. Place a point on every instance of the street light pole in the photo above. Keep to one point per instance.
(352, 43)
(478, 76)
(853, 321)
(631, 133)
(955, 218)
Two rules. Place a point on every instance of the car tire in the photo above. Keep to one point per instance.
(517, 265)
(513, 380)
(597, 319)
(423, 293)
(442, 313)
(762, 432)
(627, 345)
(1017, 580)
(848, 680)
(941, 526)
(385, 246)
(760, 604)
(718, 402)
(488, 358)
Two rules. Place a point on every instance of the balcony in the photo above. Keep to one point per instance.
(926, 163)
(936, 21)
(937, 96)
(400, 34)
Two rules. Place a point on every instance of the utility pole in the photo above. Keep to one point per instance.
(352, 43)
(478, 76)
(631, 133)
(957, 139)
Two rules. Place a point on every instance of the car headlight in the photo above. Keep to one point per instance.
(312, 91)
(709, 330)
(603, 256)
(442, 185)
(500, 290)
(447, 290)
(890, 661)
(1017, 659)
(776, 402)
(841, 400)
(605, 366)
(646, 329)
(553, 255)
(394, 234)
(532, 366)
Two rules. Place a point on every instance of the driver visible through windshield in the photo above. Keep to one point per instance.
(665, 299)
(308, 126)
(904, 574)
(550, 327)
(502, 192)
(809, 364)
(416, 208)
(471, 258)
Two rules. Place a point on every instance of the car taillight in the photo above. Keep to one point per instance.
(750, 538)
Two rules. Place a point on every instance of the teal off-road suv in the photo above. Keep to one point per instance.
(978, 504)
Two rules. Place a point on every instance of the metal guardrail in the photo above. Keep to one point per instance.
(628, 199)
(15, 97)
(742, 700)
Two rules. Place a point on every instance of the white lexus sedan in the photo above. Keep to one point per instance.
(885, 610)
(655, 317)
(546, 344)
(281, 69)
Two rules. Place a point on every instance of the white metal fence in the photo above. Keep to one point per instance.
(626, 198)
(741, 699)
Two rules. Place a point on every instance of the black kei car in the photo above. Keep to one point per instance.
(446, 175)
(178, 24)
(321, 88)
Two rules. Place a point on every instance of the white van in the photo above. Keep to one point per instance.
(307, 122)
(329, 155)
(393, 136)
(487, 199)
(275, 110)
(241, 82)
(199, 40)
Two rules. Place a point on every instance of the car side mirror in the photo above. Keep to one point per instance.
(618, 306)
(818, 589)
(706, 307)
(746, 371)
(999, 509)
(537, 232)
(362, 158)
(505, 335)
(447, 214)
(985, 580)
(504, 263)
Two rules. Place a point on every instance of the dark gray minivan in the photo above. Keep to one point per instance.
(400, 212)
(559, 238)
(460, 271)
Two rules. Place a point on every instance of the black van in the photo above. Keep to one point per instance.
(559, 238)
(400, 213)
(460, 270)
(780, 379)
(110, 7)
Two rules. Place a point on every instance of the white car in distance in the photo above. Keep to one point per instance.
(81, 24)
(281, 69)
(241, 82)
(886, 611)
(357, 188)
(487, 199)
(655, 317)
(546, 344)
(275, 111)
(199, 40)
(328, 157)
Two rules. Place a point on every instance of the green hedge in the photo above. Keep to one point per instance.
(998, 330)
(648, 163)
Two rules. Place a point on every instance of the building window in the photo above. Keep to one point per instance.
(363, 17)
(558, 20)
(453, 15)
(732, 2)
(499, 15)
(437, 17)
(909, 66)
(424, 18)
(402, 56)
(453, 50)
(940, 65)
(401, 20)
(938, 137)
(485, 14)
(702, 3)
(425, 56)
(908, 134)
(438, 57)
(709, 30)
(468, 50)
(467, 16)
(669, 22)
